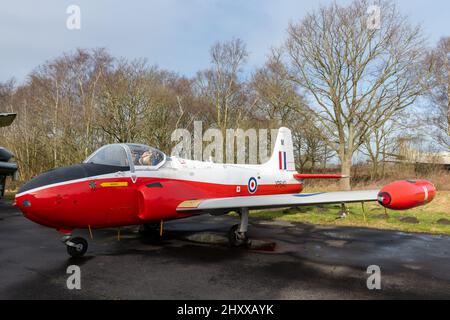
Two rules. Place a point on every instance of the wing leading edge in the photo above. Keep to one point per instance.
(276, 201)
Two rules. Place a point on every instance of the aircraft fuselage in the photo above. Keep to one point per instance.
(95, 197)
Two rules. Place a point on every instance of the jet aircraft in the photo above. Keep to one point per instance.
(134, 184)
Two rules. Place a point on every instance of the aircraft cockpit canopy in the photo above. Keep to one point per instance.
(143, 155)
(110, 155)
(134, 156)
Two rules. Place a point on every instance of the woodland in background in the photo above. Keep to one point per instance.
(347, 92)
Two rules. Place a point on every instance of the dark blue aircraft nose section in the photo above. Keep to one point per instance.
(78, 171)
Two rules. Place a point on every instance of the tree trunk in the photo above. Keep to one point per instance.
(325, 155)
(383, 165)
(448, 102)
(346, 165)
(375, 169)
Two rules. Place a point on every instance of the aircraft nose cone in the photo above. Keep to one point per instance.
(25, 202)
(37, 201)
(25, 206)
(33, 208)
(29, 200)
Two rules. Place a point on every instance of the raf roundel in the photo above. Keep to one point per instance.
(252, 185)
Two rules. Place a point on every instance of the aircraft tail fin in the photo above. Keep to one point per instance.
(283, 153)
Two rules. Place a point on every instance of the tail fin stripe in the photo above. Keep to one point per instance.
(283, 152)
(280, 160)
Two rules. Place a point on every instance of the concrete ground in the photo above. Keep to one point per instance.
(192, 261)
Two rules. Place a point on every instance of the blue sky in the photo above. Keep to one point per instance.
(174, 34)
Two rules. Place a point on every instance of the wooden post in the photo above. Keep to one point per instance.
(364, 212)
(90, 232)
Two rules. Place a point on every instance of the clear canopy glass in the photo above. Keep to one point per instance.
(142, 155)
(127, 155)
(111, 155)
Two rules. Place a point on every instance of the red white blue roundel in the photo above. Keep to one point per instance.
(252, 185)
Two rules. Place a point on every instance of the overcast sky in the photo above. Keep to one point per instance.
(174, 34)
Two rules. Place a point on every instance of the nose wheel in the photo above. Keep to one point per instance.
(76, 247)
(237, 236)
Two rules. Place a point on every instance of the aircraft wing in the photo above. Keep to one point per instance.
(223, 205)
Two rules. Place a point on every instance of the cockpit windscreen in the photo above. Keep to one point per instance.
(112, 155)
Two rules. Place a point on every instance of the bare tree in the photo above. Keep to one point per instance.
(87, 71)
(77, 102)
(437, 64)
(380, 145)
(276, 97)
(357, 77)
(123, 103)
(279, 101)
(6, 94)
(221, 85)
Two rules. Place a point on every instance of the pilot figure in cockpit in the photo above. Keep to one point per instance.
(149, 158)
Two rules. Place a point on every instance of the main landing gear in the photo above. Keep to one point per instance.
(343, 212)
(237, 236)
(76, 247)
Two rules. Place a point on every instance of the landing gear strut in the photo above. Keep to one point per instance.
(237, 236)
(76, 247)
(343, 212)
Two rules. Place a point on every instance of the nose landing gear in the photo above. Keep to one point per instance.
(76, 247)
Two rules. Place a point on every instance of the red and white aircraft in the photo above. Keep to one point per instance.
(133, 184)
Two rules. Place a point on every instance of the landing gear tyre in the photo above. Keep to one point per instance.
(79, 249)
(237, 239)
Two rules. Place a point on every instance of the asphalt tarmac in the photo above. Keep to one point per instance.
(193, 261)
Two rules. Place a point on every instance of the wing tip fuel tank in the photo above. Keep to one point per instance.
(406, 194)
